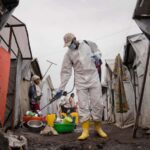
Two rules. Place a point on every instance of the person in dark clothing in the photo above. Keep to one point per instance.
(35, 94)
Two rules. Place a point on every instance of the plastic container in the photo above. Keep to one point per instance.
(50, 119)
(28, 118)
(76, 115)
(30, 113)
(67, 120)
(64, 128)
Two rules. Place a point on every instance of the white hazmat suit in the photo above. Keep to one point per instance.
(86, 80)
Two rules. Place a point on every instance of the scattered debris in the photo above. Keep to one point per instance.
(48, 131)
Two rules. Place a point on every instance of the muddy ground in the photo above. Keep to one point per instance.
(119, 139)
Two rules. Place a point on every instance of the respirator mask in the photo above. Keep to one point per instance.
(73, 46)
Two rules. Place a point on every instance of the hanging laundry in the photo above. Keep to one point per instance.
(120, 96)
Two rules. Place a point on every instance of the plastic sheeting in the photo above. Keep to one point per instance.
(142, 9)
(17, 100)
(24, 100)
(17, 97)
(4, 78)
(108, 97)
(10, 94)
(15, 35)
(139, 44)
(47, 88)
(142, 16)
(6, 9)
(125, 119)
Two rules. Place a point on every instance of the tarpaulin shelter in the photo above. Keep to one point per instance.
(29, 67)
(121, 119)
(109, 92)
(6, 9)
(135, 59)
(142, 18)
(14, 39)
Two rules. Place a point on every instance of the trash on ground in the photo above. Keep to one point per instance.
(48, 130)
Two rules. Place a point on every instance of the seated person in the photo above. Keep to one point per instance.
(72, 102)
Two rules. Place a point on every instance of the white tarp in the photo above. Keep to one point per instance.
(125, 119)
(108, 97)
(140, 46)
(19, 39)
(47, 88)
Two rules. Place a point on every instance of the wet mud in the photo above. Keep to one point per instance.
(119, 139)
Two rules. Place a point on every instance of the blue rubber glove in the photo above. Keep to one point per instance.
(94, 58)
(58, 94)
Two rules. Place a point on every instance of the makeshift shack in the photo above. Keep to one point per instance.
(28, 69)
(119, 105)
(135, 56)
(14, 39)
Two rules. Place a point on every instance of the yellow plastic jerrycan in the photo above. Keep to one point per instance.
(51, 119)
(75, 114)
(62, 114)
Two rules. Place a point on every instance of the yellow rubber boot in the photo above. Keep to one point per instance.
(99, 130)
(85, 132)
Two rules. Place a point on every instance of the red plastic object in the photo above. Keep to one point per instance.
(4, 80)
(28, 118)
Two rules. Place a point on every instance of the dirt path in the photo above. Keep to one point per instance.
(119, 139)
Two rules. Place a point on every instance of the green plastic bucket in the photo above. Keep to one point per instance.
(64, 128)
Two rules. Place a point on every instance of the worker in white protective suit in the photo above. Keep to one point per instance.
(81, 57)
